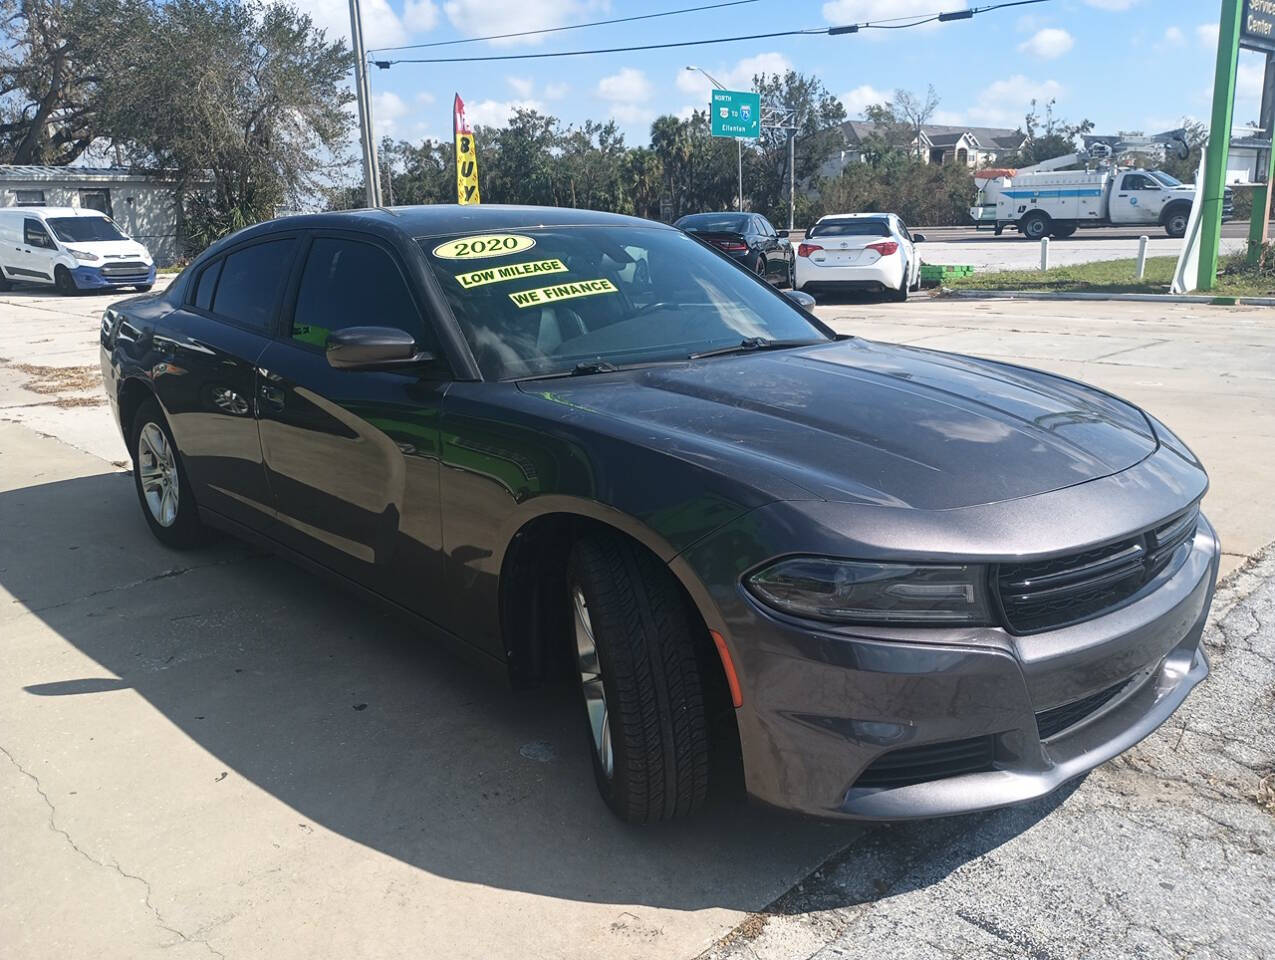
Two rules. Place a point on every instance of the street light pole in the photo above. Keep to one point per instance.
(371, 176)
(739, 143)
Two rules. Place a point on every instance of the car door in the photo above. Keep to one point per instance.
(32, 259)
(1139, 199)
(776, 261)
(205, 374)
(352, 455)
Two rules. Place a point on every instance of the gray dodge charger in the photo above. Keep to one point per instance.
(887, 582)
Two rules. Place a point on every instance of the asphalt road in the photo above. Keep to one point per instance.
(215, 754)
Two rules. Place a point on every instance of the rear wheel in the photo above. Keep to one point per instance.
(637, 643)
(5, 285)
(900, 295)
(1035, 225)
(759, 268)
(160, 479)
(63, 282)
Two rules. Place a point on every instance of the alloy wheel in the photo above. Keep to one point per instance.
(595, 698)
(157, 468)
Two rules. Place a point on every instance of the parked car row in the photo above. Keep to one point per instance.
(859, 252)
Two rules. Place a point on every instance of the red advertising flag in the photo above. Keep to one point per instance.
(466, 155)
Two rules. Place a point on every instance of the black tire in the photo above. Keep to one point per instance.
(63, 282)
(792, 275)
(1034, 226)
(760, 268)
(998, 229)
(185, 530)
(1062, 231)
(650, 651)
(1175, 222)
(900, 295)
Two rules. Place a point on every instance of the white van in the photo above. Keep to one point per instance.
(72, 249)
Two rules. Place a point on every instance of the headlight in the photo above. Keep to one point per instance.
(851, 591)
(82, 254)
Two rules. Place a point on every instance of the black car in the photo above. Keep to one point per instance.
(892, 582)
(746, 237)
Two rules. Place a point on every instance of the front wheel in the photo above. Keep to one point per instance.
(1034, 226)
(160, 479)
(1175, 224)
(63, 282)
(638, 652)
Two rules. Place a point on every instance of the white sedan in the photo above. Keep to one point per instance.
(859, 251)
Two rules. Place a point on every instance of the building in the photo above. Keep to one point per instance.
(939, 143)
(143, 205)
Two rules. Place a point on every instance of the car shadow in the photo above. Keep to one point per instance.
(339, 710)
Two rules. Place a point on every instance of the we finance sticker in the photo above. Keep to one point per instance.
(513, 271)
(486, 245)
(563, 291)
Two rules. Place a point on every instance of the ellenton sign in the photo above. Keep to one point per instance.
(1257, 31)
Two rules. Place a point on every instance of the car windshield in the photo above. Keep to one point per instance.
(867, 227)
(714, 222)
(84, 229)
(1166, 179)
(558, 300)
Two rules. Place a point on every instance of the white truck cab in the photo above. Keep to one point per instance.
(70, 249)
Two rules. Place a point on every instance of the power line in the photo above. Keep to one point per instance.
(811, 31)
(573, 26)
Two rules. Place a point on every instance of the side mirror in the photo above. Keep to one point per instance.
(357, 348)
(784, 241)
(801, 299)
(918, 238)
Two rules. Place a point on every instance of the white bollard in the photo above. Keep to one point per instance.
(1044, 253)
(1142, 256)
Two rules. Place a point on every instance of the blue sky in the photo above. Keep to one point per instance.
(1125, 64)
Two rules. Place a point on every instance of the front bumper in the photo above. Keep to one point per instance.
(93, 278)
(822, 704)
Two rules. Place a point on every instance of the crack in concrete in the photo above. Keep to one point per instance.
(160, 921)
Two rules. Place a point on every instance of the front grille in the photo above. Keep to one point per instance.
(1054, 593)
(1052, 722)
(934, 761)
(125, 268)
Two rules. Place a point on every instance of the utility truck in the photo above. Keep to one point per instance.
(1047, 200)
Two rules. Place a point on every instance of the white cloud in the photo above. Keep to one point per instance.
(420, 15)
(556, 91)
(424, 97)
(1249, 78)
(496, 113)
(738, 77)
(951, 118)
(476, 18)
(1048, 44)
(628, 86)
(1005, 102)
(632, 114)
(686, 112)
(862, 97)
(388, 109)
(1207, 34)
(1174, 36)
(859, 11)
(522, 85)
(381, 25)
(1112, 4)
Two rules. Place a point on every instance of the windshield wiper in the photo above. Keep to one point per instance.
(749, 344)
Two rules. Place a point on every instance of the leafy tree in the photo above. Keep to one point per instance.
(1045, 137)
(56, 65)
(643, 174)
(915, 112)
(699, 169)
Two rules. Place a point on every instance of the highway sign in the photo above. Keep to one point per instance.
(735, 114)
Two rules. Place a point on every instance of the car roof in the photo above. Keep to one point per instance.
(433, 219)
(42, 212)
(855, 216)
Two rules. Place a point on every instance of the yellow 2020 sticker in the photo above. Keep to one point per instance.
(511, 271)
(485, 245)
(562, 291)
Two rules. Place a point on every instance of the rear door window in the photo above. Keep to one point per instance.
(207, 284)
(251, 281)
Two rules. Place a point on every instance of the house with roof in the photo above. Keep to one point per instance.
(938, 143)
(143, 205)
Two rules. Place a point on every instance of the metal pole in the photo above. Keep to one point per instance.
(1044, 254)
(1210, 193)
(739, 146)
(371, 176)
(1142, 256)
(1259, 220)
(792, 175)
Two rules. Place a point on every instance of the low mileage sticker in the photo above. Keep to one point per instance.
(485, 245)
(512, 271)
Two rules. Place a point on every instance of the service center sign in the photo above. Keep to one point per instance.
(1257, 32)
(737, 114)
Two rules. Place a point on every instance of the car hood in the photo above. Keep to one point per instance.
(111, 249)
(872, 423)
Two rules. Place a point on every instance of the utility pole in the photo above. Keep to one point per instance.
(792, 177)
(371, 176)
(1259, 221)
